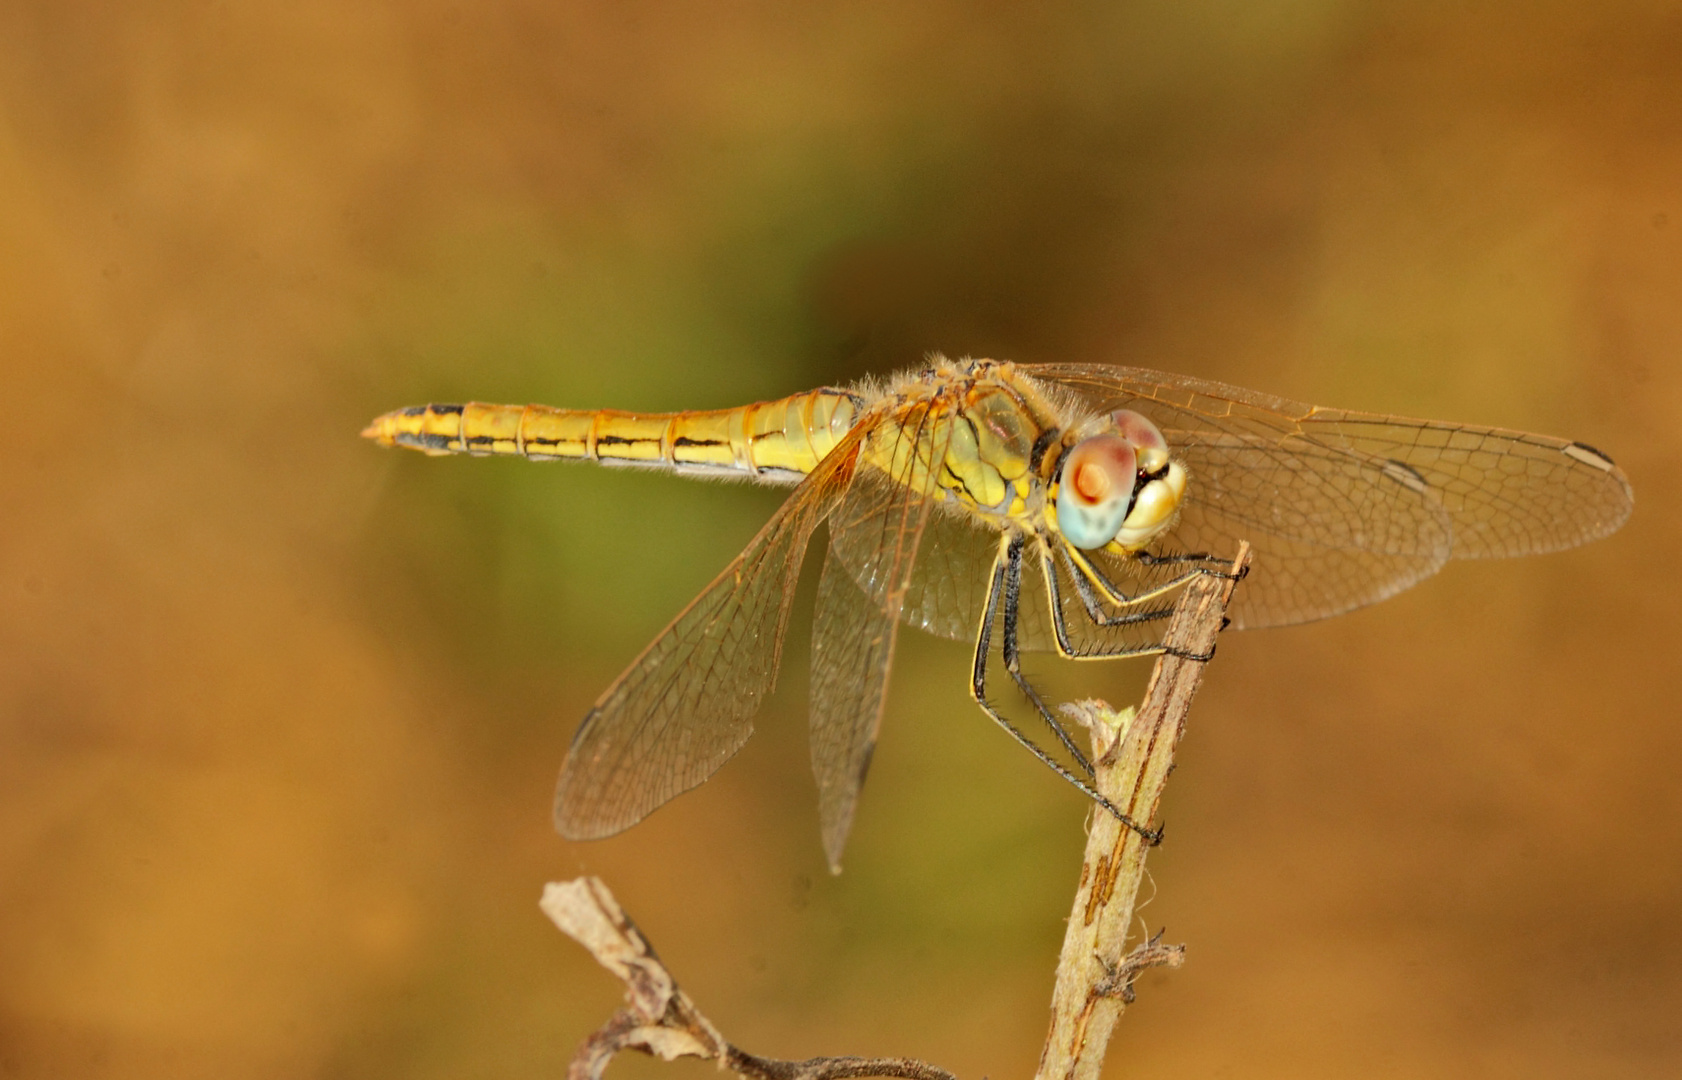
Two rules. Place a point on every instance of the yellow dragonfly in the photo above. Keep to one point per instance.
(1054, 507)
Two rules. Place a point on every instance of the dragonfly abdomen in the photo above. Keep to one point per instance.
(773, 441)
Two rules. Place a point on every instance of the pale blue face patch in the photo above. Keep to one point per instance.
(1095, 490)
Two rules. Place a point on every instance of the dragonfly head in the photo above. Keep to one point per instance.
(1117, 484)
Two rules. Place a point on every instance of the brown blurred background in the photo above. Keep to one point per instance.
(280, 712)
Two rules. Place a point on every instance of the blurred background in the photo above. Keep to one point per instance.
(280, 712)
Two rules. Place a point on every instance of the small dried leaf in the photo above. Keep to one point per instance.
(585, 911)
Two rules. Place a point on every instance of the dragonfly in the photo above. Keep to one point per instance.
(1020, 507)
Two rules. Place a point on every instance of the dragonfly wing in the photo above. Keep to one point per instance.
(1332, 530)
(1506, 492)
(1346, 508)
(947, 591)
(686, 704)
(875, 533)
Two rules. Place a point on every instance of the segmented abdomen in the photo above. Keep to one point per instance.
(774, 441)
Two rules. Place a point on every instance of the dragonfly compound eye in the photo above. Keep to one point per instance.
(1095, 490)
(1153, 508)
(1145, 437)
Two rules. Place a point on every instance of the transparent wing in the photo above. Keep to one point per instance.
(1345, 508)
(947, 592)
(875, 533)
(686, 704)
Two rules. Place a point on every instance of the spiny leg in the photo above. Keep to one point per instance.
(1086, 570)
(1091, 601)
(1013, 654)
(1205, 562)
(1059, 624)
(978, 690)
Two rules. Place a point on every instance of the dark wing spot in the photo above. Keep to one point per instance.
(1588, 455)
(1405, 475)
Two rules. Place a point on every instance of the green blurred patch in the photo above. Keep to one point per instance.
(709, 312)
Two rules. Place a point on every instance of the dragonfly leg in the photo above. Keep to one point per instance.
(1205, 563)
(1059, 623)
(978, 690)
(1013, 654)
(1088, 579)
(1091, 601)
(1094, 582)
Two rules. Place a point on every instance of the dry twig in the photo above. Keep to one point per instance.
(1133, 752)
(658, 1018)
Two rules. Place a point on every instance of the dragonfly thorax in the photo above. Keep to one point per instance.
(1004, 452)
(985, 435)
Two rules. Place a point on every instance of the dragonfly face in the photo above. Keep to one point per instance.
(1119, 488)
(1055, 507)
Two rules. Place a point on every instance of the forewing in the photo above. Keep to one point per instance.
(1332, 530)
(1346, 508)
(686, 704)
(875, 534)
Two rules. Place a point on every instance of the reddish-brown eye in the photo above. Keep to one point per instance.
(1096, 490)
(1145, 438)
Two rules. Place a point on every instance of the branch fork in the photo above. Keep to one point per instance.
(658, 1018)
